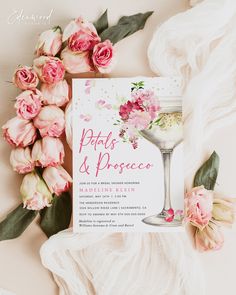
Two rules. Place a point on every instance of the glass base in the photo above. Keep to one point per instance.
(159, 220)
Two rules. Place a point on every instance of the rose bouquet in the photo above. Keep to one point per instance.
(205, 210)
(36, 132)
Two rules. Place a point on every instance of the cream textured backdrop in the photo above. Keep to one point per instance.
(20, 267)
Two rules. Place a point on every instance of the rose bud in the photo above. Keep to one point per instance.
(25, 78)
(224, 210)
(76, 25)
(28, 104)
(103, 57)
(57, 94)
(50, 121)
(198, 206)
(21, 160)
(210, 238)
(49, 42)
(58, 179)
(35, 193)
(49, 69)
(48, 151)
(19, 132)
(83, 41)
(76, 62)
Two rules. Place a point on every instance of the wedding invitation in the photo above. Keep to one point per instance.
(127, 155)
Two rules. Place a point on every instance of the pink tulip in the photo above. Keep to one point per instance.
(103, 57)
(209, 238)
(57, 94)
(21, 160)
(49, 42)
(25, 78)
(28, 104)
(198, 206)
(19, 132)
(50, 121)
(57, 178)
(77, 25)
(49, 69)
(48, 151)
(76, 62)
(35, 193)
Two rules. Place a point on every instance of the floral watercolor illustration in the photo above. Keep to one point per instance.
(142, 112)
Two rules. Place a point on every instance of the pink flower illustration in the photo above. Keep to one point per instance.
(138, 113)
(86, 118)
(170, 214)
(139, 119)
(101, 104)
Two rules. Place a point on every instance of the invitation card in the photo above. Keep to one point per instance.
(127, 155)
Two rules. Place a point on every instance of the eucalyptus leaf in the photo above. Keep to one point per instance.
(16, 222)
(126, 26)
(102, 23)
(207, 173)
(57, 217)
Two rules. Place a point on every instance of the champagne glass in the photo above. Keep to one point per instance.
(166, 134)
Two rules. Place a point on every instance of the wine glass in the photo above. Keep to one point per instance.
(165, 135)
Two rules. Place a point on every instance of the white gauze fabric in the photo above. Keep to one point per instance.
(199, 45)
(123, 263)
(6, 292)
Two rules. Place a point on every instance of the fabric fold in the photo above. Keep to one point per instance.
(123, 263)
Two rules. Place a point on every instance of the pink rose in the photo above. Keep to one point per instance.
(57, 94)
(49, 69)
(48, 151)
(57, 179)
(83, 41)
(129, 107)
(28, 104)
(103, 57)
(19, 132)
(49, 42)
(76, 62)
(25, 78)
(148, 100)
(198, 206)
(21, 160)
(139, 120)
(209, 238)
(77, 25)
(35, 193)
(50, 121)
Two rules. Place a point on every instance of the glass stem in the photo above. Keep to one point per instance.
(166, 157)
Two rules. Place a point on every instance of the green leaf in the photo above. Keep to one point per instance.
(127, 25)
(57, 217)
(207, 173)
(16, 222)
(57, 28)
(102, 23)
